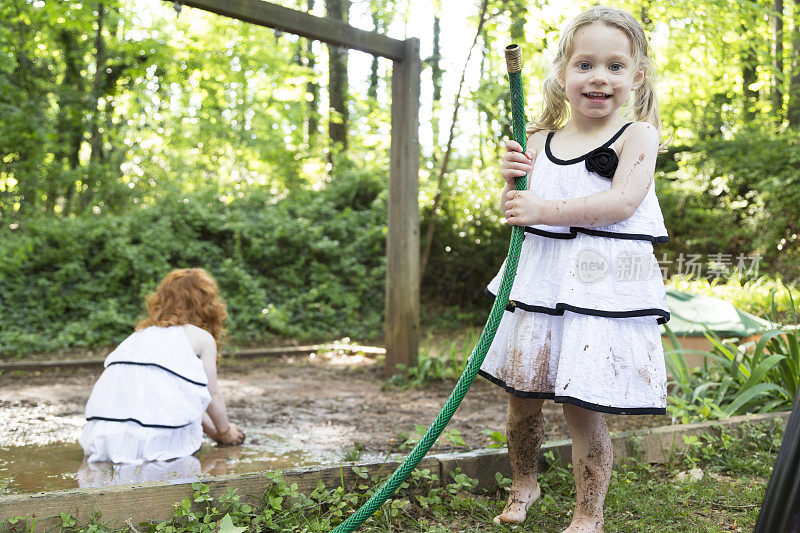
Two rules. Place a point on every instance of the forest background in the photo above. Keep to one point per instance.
(134, 140)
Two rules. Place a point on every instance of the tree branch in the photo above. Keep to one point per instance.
(446, 159)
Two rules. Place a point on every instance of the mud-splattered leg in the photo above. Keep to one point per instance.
(592, 459)
(525, 427)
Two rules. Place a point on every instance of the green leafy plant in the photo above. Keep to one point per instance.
(310, 265)
(736, 377)
(436, 361)
(736, 463)
(353, 453)
(497, 439)
(452, 436)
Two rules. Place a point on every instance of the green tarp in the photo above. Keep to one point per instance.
(689, 313)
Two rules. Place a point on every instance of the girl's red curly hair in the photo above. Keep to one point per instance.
(186, 296)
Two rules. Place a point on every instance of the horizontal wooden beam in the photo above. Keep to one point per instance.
(292, 21)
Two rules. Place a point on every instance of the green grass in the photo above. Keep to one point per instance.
(642, 497)
(442, 357)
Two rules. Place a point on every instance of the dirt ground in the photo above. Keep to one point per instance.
(328, 402)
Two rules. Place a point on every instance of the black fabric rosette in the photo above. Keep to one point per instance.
(602, 161)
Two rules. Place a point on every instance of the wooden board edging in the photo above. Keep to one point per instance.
(251, 353)
(155, 500)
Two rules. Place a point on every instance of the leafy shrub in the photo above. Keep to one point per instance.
(469, 245)
(738, 195)
(310, 265)
(437, 362)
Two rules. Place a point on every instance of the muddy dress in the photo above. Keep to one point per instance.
(148, 403)
(582, 323)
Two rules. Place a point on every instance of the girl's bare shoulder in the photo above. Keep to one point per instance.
(536, 140)
(202, 341)
(640, 135)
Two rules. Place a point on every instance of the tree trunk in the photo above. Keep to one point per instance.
(372, 90)
(793, 109)
(749, 76)
(337, 79)
(30, 155)
(70, 128)
(483, 107)
(96, 155)
(777, 61)
(436, 81)
(312, 87)
(518, 12)
(98, 87)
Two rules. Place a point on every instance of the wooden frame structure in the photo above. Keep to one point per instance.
(402, 246)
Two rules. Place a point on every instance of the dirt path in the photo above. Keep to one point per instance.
(324, 402)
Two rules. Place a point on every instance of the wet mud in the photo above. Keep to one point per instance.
(594, 470)
(525, 426)
(295, 411)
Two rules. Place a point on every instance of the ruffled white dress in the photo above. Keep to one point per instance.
(582, 323)
(148, 403)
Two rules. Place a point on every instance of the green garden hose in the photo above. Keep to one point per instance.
(514, 64)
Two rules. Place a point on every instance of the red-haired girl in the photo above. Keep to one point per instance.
(158, 392)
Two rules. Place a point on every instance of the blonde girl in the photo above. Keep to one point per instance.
(582, 324)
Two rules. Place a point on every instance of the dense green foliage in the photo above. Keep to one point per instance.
(310, 265)
(736, 465)
(737, 196)
(103, 107)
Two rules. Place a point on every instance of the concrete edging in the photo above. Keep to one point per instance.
(155, 501)
(239, 354)
(652, 445)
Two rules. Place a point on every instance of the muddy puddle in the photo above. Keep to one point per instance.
(295, 411)
(25, 469)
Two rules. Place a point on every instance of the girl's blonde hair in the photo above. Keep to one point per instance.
(186, 296)
(555, 110)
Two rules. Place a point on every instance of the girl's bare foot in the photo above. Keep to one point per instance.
(519, 501)
(585, 525)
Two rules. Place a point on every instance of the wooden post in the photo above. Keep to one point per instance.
(402, 246)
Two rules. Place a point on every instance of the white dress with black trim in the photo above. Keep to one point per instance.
(148, 403)
(582, 323)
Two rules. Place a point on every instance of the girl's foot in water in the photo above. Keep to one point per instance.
(519, 501)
